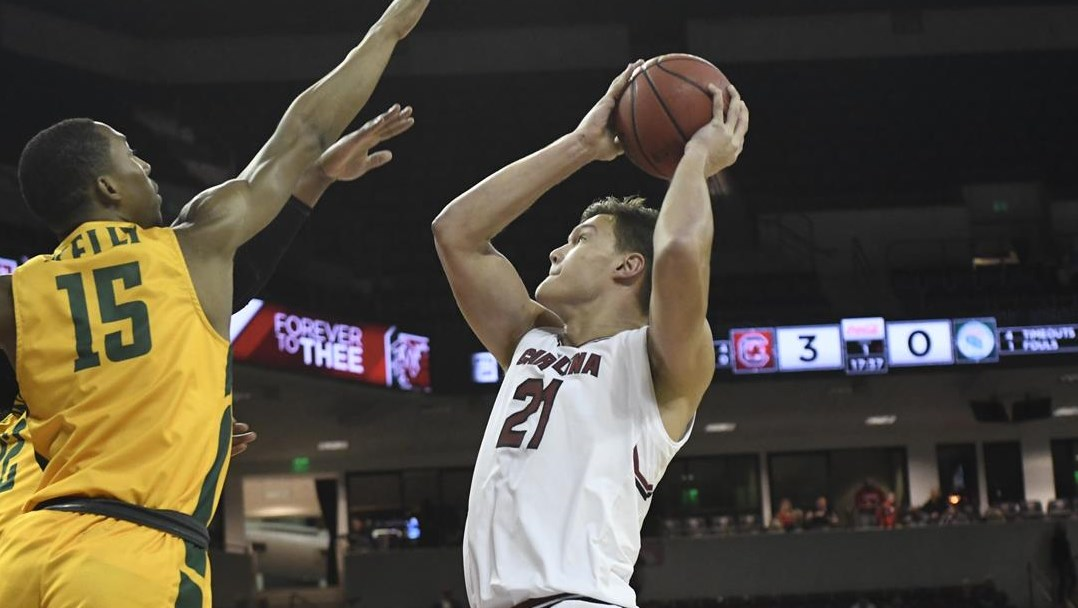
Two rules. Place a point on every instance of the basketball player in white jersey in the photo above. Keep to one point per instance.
(605, 367)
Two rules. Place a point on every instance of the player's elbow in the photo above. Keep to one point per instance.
(437, 227)
(301, 130)
(311, 139)
(448, 230)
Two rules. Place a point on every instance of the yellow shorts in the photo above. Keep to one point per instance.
(53, 559)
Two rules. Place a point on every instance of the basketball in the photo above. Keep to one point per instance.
(665, 102)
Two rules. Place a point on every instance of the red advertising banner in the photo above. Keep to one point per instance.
(270, 335)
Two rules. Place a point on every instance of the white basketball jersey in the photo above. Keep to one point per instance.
(564, 478)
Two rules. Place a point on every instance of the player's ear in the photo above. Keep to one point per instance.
(630, 266)
(106, 189)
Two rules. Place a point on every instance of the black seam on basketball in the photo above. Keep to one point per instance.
(636, 132)
(666, 110)
(686, 79)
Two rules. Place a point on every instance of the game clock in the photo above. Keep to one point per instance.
(865, 343)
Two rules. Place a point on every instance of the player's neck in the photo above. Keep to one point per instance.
(96, 214)
(600, 319)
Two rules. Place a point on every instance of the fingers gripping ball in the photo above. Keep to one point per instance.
(665, 102)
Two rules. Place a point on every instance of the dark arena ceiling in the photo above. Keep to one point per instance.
(834, 128)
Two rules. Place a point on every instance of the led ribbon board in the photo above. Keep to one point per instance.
(269, 335)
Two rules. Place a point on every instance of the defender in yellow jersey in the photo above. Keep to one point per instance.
(119, 342)
(19, 473)
(347, 160)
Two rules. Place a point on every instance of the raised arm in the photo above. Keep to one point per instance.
(488, 290)
(679, 340)
(347, 160)
(223, 218)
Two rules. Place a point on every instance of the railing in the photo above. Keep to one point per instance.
(298, 601)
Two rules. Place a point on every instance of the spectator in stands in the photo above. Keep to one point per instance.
(787, 518)
(1063, 567)
(953, 515)
(994, 514)
(935, 506)
(863, 602)
(866, 502)
(821, 517)
(887, 514)
(359, 537)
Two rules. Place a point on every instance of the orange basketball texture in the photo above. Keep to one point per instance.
(665, 102)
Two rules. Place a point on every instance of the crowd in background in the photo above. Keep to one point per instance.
(875, 508)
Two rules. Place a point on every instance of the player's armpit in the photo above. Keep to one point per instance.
(680, 384)
(492, 297)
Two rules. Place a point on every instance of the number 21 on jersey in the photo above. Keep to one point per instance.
(536, 397)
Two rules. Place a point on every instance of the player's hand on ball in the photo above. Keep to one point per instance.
(242, 436)
(596, 130)
(722, 139)
(350, 157)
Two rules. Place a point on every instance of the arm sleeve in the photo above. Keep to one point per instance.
(256, 260)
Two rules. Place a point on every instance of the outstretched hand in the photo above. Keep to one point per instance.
(596, 130)
(350, 157)
(723, 138)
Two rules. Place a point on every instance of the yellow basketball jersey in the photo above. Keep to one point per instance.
(19, 473)
(126, 382)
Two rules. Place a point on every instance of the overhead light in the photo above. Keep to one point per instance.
(720, 427)
(333, 446)
(881, 420)
(1008, 259)
(1066, 410)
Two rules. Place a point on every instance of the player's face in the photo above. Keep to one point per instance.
(130, 177)
(581, 267)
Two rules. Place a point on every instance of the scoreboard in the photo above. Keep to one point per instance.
(866, 344)
(920, 343)
(809, 348)
(1039, 340)
(874, 345)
